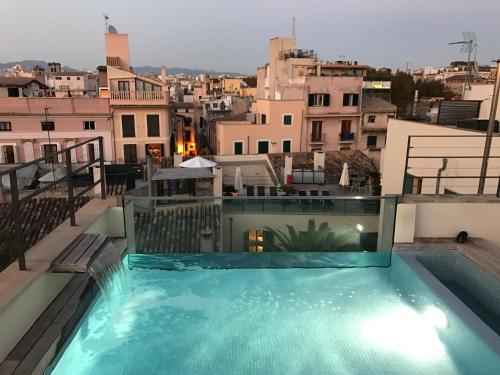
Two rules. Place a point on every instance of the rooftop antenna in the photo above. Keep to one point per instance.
(293, 27)
(106, 21)
(469, 46)
(408, 68)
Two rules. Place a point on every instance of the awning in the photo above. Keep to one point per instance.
(197, 162)
(25, 176)
(166, 174)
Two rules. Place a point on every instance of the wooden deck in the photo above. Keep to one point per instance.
(79, 254)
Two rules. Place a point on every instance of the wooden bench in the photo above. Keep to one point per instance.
(80, 253)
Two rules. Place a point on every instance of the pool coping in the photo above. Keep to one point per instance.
(460, 309)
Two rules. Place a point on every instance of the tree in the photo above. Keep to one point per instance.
(402, 89)
(311, 240)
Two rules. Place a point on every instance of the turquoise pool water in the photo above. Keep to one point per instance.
(274, 321)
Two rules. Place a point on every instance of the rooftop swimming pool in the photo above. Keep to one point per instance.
(320, 320)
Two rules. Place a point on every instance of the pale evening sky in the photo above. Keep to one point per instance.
(232, 35)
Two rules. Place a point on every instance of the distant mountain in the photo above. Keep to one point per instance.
(27, 65)
(186, 71)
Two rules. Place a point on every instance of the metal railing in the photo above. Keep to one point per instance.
(346, 137)
(138, 95)
(317, 138)
(458, 158)
(20, 230)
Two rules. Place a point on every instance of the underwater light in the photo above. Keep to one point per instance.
(436, 317)
(359, 227)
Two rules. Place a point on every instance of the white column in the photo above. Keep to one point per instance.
(29, 152)
(287, 171)
(217, 182)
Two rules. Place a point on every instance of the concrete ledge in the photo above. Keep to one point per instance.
(18, 313)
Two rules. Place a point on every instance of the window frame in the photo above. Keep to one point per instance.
(368, 137)
(283, 145)
(372, 119)
(263, 119)
(122, 128)
(5, 126)
(85, 128)
(148, 115)
(268, 146)
(283, 119)
(242, 147)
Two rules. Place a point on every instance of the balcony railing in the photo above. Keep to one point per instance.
(138, 97)
(317, 138)
(346, 137)
(113, 61)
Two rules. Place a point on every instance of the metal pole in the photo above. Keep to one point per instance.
(101, 166)
(69, 182)
(16, 214)
(489, 133)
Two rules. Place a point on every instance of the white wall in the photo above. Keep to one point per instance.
(484, 93)
(395, 156)
(435, 219)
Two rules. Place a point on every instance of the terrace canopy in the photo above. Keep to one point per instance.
(190, 175)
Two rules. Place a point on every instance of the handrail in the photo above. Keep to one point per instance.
(16, 201)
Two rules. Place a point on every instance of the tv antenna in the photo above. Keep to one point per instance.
(106, 21)
(293, 27)
(469, 46)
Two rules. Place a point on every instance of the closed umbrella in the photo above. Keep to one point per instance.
(197, 162)
(344, 178)
(238, 180)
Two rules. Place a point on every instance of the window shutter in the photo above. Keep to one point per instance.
(355, 99)
(346, 100)
(311, 100)
(326, 100)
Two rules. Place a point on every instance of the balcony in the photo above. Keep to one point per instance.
(138, 98)
(317, 138)
(346, 137)
(113, 61)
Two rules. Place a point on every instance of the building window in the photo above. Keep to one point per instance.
(287, 145)
(49, 150)
(238, 148)
(317, 131)
(371, 141)
(215, 105)
(90, 151)
(128, 126)
(58, 78)
(319, 100)
(5, 126)
(263, 147)
(130, 154)
(263, 119)
(187, 135)
(351, 100)
(48, 126)
(153, 125)
(68, 78)
(255, 241)
(371, 119)
(123, 86)
(287, 119)
(346, 127)
(8, 154)
(77, 78)
(12, 92)
(89, 125)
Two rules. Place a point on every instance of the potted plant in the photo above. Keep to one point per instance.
(229, 190)
(375, 186)
(289, 190)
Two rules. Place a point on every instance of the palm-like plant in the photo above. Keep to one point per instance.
(311, 240)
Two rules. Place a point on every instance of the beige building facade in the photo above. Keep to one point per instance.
(139, 106)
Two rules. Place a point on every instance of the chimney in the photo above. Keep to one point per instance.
(319, 160)
(163, 74)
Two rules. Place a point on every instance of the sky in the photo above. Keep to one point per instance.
(232, 35)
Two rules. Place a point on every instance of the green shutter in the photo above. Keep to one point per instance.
(355, 98)
(311, 100)
(326, 100)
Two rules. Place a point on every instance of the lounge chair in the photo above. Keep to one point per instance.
(273, 192)
(261, 191)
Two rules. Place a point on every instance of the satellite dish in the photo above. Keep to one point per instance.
(112, 29)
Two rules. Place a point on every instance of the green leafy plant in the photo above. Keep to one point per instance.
(289, 190)
(313, 239)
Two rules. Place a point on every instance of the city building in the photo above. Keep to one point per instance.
(64, 84)
(15, 87)
(139, 105)
(303, 104)
(70, 120)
